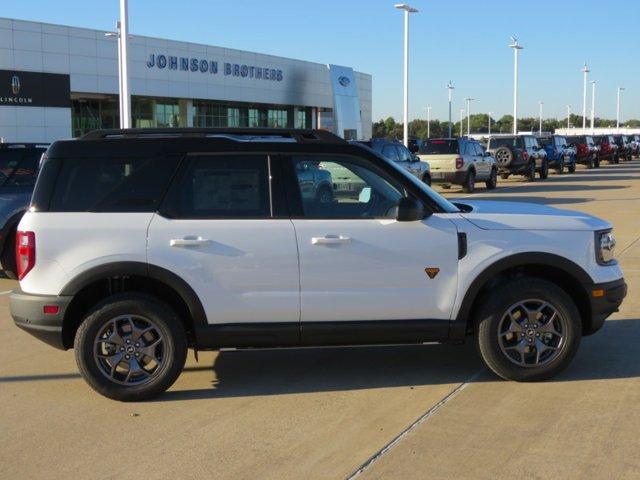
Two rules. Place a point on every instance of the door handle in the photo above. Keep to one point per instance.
(330, 240)
(188, 242)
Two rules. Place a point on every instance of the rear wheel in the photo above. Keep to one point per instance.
(572, 168)
(544, 169)
(504, 176)
(426, 178)
(530, 174)
(592, 162)
(528, 329)
(324, 195)
(560, 167)
(469, 184)
(131, 347)
(492, 183)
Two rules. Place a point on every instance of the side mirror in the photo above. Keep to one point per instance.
(410, 210)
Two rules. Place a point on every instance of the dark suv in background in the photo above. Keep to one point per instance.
(586, 150)
(18, 171)
(607, 149)
(518, 155)
(624, 147)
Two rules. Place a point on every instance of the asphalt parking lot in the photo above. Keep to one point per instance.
(428, 411)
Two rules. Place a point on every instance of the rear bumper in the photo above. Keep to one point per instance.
(605, 299)
(27, 311)
(448, 177)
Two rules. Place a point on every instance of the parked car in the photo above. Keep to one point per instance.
(18, 171)
(624, 147)
(459, 161)
(586, 150)
(559, 154)
(606, 149)
(634, 141)
(315, 182)
(398, 153)
(519, 155)
(142, 243)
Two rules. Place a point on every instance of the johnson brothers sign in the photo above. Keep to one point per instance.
(186, 64)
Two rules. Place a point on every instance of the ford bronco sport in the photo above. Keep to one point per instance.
(140, 244)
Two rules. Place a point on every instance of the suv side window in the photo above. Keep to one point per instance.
(221, 187)
(19, 167)
(357, 191)
(391, 152)
(404, 153)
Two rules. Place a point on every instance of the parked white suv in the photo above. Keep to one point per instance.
(460, 161)
(140, 244)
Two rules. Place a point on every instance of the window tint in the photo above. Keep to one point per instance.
(344, 187)
(222, 186)
(439, 147)
(505, 142)
(111, 184)
(404, 153)
(390, 152)
(19, 166)
(545, 141)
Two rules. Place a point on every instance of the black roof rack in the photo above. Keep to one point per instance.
(235, 134)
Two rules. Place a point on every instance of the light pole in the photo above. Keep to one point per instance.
(618, 109)
(428, 122)
(516, 47)
(407, 10)
(461, 120)
(489, 130)
(451, 88)
(469, 100)
(568, 116)
(116, 34)
(593, 105)
(540, 103)
(585, 72)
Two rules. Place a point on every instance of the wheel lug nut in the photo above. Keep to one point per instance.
(137, 345)
(137, 354)
(122, 349)
(127, 357)
(537, 334)
(128, 341)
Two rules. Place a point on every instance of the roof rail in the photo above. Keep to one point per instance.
(235, 134)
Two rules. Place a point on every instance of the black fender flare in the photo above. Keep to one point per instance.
(458, 326)
(123, 269)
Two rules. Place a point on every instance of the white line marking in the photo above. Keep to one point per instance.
(5, 292)
(376, 456)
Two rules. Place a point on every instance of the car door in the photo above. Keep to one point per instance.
(217, 230)
(358, 263)
(481, 161)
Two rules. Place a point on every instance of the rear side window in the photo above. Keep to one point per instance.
(391, 152)
(439, 147)
(111, 184)
(19, 167)
(505, 142)
(221, 186)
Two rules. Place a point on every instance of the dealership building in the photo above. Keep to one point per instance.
(60, 82)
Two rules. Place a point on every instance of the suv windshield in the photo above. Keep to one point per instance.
(496, 142)
(439, 147)
(19, 166)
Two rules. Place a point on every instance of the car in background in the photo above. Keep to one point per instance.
(624, 147)
(518, 155)
(19, 164)
(559, 154)
(607, 149)
(586, 150)
(460, 161)
(401, 156)
(634, 141)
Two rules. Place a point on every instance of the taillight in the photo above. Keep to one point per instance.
(525, 155)
(25, 252)
(459, 163)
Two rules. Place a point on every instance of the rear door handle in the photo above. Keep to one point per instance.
(330, 240)
(189, 242)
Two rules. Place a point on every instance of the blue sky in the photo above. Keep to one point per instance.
(463, 41)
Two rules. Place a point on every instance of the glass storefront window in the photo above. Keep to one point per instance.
(301, 119)
(92, 114)
(233, 117)
(254, 118)
(167, 114)
(277, 118)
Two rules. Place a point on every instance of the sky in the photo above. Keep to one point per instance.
(464, 41)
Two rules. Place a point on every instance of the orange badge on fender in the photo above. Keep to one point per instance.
(432, 272)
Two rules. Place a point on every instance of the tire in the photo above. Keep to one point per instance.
(544, 169)
(560, 167)
(504, 156)
(324, 195)
(492, 183)
(530, 174)
(469, 184)
(572, 168)
(426, 178)
(592, 163)
(597, 163)
(165, 339)
(616, 159)
(504, 176)
(9, 256)
(500, 347)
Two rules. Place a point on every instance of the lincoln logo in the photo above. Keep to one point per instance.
(344, 81)
(15, 85)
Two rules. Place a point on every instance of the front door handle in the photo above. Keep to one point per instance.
(189, 242)
(330, 240)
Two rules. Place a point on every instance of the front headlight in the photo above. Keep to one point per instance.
(605, 246)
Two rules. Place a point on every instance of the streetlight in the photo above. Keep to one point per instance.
(469, 100)
(489, 132)
(461, 120)
(451, 88)
(428, 122)
(121, 96)
(568, 116)
(585, 71)
(407, 10)
(516, 47)
(540, 103)
(593, 105)
(618, 109)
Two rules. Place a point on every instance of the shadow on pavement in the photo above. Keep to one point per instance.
(538, 200)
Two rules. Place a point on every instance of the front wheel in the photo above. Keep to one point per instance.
(469, 184)
(426, 178)
(528, 329)
(560, 167)
(544, 169)
(530, 174)
(492, 183)
(131, 347)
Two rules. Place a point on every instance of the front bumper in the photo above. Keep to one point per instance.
(27, 311)
(605, 299)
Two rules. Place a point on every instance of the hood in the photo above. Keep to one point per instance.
(499, 215)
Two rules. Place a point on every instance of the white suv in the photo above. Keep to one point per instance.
(140, 244)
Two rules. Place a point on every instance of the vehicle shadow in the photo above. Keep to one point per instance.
(529, 199)
(611, 353)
